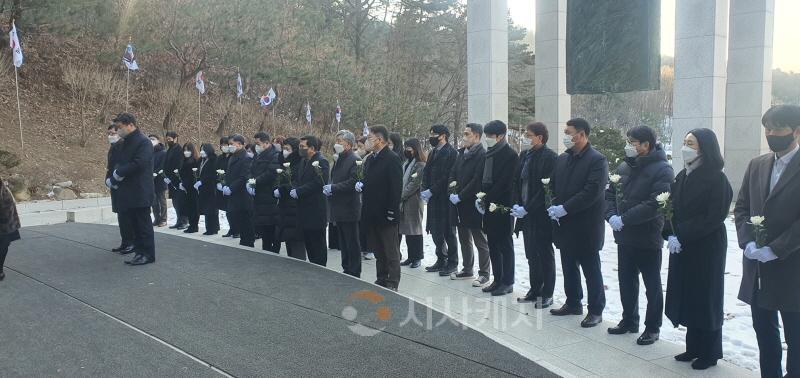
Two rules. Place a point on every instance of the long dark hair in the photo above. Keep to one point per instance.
(397, 143)
(209, 150)
(419, 153)
(709, 148)
(190, 147)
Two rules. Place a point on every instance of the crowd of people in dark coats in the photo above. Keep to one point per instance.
(478, 195)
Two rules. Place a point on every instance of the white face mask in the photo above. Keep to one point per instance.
(630, 151)
(113, 139)
(568, 143)
(335, 157)
(259, 149)
(203, 154)
(286, 153)
(338, 148)
(491, 142)
(155, 142)
(526, 144)
(187, 153)
(689, 154)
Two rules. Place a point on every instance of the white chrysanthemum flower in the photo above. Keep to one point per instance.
(194, 169)
(614, 178)
(480, 195)
(251, 181)
(453, 184)
(359, 162)
(757, 220)
(493, 207)
(279, 170)
(287, 165)
(315, 164)
(546, 181)
(663, 197)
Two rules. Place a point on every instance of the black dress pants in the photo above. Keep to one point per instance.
(316, 248)
(142, 225)
(631, 262)
(350, 245)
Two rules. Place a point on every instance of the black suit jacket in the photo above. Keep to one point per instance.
(311, 206)
(135, 164)
(436, 178)
(236, 177)
(383, 184)
(504, 164)
(345, 202)
(579, 181)
(173, 161)
(264, 170)
(780, 278)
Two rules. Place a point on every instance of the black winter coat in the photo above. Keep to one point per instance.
(312, 207)
(222, 164)
(264, 170)
(135, 164)
(159, 155)
(236, 177)
(287, 205)
(504, 163)
(383, 185)
(436, 178)
(111, 164)
(578, 183)
(468, 173)
(696, 280)
(173, 161)
(345, 202)
(207, 196)
(190, 206)
(642, 179)
(535, 165)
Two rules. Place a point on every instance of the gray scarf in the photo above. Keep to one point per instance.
(487, 169)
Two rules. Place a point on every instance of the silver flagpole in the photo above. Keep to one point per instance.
(241, 118)
(198, 117)
(19, 110)
(127, 83)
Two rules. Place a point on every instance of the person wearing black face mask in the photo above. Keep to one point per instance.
(770, 278)
(435, 181)
(173, 162)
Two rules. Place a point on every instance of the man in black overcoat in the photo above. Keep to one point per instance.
(435, 180)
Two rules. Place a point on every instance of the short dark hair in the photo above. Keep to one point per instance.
(495, 127)
(125, 119)
(312, 141)
(381, 131)
(171, 134)
(154, 136)
(441, 129)
(643, 134)
(223, 140)
(237, 138)
(111, 126)
(580, 124)
(262, 136)
(539, 129)
(780, 116)
(476, 128)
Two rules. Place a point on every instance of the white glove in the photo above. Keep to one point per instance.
(455, 199)
(293, 193)
(518, 211)
(479, 207)
(108, 182)
(556, 212)
(616, 223)
(167, 181)
(226, 191)
(251, 191)
(276, 193)
(359, 186)
(219, 186)
(764, 254)
(748, 250)
(326, 190)
(197, 185)
(180, 186)
(673, 244)
(426, 195)
(117, 177)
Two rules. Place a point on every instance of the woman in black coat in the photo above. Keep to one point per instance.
(207, 189)
(701, 198)
(190, 167)
(288, 230)
(221, 200)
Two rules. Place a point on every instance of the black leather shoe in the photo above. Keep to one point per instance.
(703, 364)
(209, 233)
(2, 276)
(591, 320)
(175, 226)
(235, 236)
(182, 227)
(685, 357)
(647, 338)
(566, 310)
(491, 287)
(446, 271)
(622, 328)
(190, 230)
(129, 249)
(142, 261)
(502, 290)
(543, 303)
(229, 234)
(120, 248)
(136, 257)
(415, 264)
(530, 296)
(435, 267)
